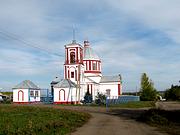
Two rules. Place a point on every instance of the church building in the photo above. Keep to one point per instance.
(83, 73)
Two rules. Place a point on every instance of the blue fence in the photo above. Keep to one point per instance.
(46, 96)
(122, 99)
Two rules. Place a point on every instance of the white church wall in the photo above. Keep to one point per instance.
(113, 87)
(83, 91)
(93, 77)
(95, 91)
(64, 95)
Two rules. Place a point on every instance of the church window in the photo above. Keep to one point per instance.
(72, 57)
(36, 94)
(94, 66)
(31, 93)
(72, 74)
(61, 95)
(108, 92)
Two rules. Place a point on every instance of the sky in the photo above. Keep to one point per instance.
(130, 36)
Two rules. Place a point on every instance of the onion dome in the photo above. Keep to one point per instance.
(89, 54)
(91, 60)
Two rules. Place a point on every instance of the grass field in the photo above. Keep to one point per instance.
(138, 104)
(28, 120)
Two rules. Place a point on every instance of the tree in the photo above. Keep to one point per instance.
(100, 99)
(147, 91)
(173, 93)
(87, 98)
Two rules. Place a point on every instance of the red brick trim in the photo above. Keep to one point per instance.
(92, 72)
(119, 89)
(26, 102)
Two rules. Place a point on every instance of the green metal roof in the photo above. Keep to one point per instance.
(65, 83)
(26, 84)
(89, 53)
(106, 79)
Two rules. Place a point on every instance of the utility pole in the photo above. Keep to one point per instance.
(76, 90)
(78, 85)
(79, 78)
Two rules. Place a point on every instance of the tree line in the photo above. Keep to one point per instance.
(149, 93)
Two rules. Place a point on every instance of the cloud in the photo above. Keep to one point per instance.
(25, 63)
(162, 15)
(131, 37)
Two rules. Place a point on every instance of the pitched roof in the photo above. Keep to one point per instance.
(65, 83)
(92, 80)
(105, 79)
(89, 53)
(55, 81)
(26, 84)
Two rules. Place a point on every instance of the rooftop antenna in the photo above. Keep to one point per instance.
(74, 41)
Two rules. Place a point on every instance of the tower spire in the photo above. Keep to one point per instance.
(74, 40)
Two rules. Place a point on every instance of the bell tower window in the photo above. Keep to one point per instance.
(72, 74)
(94, 66)
(72, 57)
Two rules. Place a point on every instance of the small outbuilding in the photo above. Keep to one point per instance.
(64, 92)
(26, 92)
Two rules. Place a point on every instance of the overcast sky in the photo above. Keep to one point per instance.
(130, 36)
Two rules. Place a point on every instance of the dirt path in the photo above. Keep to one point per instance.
(116, 122)
(104, 124)
(168, 105)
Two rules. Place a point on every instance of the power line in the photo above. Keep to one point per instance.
(26, 43)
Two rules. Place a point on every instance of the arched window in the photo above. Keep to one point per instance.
(20, 95)
(61, 94)
(72, 57)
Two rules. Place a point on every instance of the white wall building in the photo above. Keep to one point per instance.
(82, 68)
(26, 92)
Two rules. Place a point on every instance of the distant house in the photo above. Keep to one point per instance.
(64, 92)
(26, 92)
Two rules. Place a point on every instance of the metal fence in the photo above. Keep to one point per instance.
(46, 96)
(121, 99)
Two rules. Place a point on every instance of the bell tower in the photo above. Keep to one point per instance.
(73, 61)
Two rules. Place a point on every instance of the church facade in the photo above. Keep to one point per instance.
(83, 73)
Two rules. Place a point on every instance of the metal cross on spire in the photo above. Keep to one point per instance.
(74, 40)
